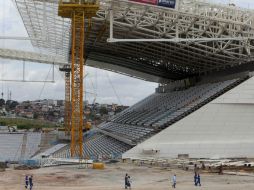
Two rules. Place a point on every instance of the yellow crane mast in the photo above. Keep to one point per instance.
(67, 104)
(79, 11)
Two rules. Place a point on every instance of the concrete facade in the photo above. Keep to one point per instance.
(224, 128)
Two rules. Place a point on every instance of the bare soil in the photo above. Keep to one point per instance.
(112, 178)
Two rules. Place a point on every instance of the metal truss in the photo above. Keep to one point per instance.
(67, 105)
(31, 56)
(51, 161)
(203, 36)
(80, 13)
(78, 25)
(47, 31)
(195, 38)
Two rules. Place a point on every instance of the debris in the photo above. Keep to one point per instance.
(25, 167)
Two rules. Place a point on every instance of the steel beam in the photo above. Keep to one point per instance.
(32, 56)
(205, 31)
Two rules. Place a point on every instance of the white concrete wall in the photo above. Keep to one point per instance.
(222, 128)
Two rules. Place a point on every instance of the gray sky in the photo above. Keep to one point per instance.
(129, 90)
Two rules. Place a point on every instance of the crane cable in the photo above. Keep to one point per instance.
(44, 84)
(110, 82)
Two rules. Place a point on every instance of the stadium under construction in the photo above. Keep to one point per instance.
(200, 54)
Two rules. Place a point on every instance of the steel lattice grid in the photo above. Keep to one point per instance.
(133, 20)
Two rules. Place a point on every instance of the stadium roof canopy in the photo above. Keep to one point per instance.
(200, 37)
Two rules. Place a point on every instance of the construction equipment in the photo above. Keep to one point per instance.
(12, 129)
(87, 126)
(98, 165)
(80, 12)
(67, 105)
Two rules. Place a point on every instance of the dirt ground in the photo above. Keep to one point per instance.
(112, 178)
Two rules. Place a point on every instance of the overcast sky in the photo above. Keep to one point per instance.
(107, 87)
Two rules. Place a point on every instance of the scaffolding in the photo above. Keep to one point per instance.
(67, 105)
(79, 11)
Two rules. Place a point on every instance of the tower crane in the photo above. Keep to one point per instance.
(80, 12)
(67, 105)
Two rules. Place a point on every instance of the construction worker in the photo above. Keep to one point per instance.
(174, 181)
(198, 180)
(126, 181)
(26, 181)
(129, 182)
(195, 179)
(31, 182)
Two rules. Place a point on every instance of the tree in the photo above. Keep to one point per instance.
(13, 104)
(8, 102)
(51, 113)
(2, 102)
(103, 111)
(36, 115)
(10, 105)
(118, 110)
